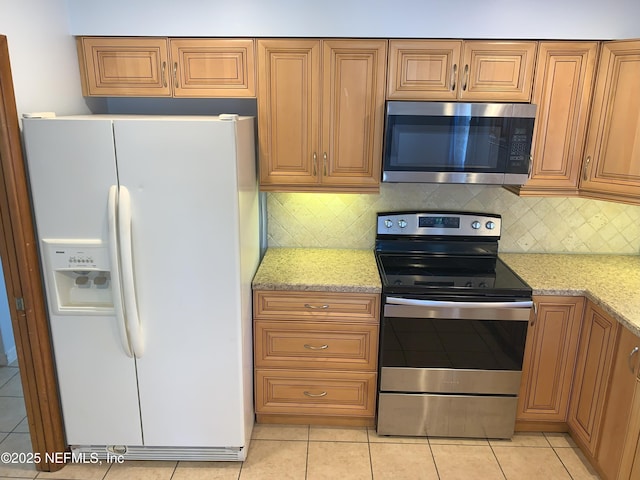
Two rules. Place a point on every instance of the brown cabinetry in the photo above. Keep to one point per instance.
(455, 70)
(315, 356)
(563, 86)
(321, 114)
(549, 361)
(617, 428)
(595, 357)
(611, 168)
(166, 67)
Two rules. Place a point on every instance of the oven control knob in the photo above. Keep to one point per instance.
(476, 225)
(388, 223)
(490, 225)
(402, 223)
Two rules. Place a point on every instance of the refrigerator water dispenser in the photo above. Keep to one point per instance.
(79, 277)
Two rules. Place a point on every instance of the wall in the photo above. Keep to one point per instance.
(552, 225)
(44, 62)
(577, 19)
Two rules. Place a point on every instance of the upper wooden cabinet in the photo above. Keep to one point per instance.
(161, 67)
(611, 167)
(549, 359)
(456, 70)
(321, 114)
(563, 86)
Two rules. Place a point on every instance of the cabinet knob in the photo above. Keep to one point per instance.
(629, 360)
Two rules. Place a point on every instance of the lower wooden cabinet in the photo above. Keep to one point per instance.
(593, 368)
(619, 431)
(315, 357)
(549, 361)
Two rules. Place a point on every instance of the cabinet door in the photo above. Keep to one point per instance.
(497, 71)
(288, 112)
(124, 66)
(353, 112)
(562, 92)
(209, 67)
(612, 163)
(423, 69)
(549, 359)
(617, 413)
(597, 341)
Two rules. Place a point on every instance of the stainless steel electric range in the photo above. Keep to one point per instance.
(453, 327)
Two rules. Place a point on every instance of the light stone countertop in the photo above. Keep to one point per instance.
(318, 269)
(610, 281)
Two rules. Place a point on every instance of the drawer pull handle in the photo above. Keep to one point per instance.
(321, 307)
(311, 347)
(309, 394)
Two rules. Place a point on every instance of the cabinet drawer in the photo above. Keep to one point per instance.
(315, 345)
(316, 305)
(299, 392)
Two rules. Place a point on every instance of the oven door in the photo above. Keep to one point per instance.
(470, 347)
(451, 369)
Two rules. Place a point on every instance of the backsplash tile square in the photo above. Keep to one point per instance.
(530, 224)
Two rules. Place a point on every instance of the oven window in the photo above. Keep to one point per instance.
(458, 344)
(438, 143)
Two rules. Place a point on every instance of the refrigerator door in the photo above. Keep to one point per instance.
(71, 164)
(182, 179)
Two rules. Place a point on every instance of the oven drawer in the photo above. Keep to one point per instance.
(285, 305)
(300, 392)
(315, 345)
(446, 415)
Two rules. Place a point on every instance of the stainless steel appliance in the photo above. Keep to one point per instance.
(453, 328)
(439, 142)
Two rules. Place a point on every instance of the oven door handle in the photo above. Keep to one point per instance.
(441, 303)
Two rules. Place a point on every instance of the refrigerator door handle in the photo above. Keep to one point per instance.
(116, 286)
(128, 282)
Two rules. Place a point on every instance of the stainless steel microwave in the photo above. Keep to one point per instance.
(440, 142)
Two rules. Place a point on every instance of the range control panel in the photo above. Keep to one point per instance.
(436, 223)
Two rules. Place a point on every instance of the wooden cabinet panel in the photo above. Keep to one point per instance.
(549, 359)
(288, 111)
(124, 66)
(207, 67)
(616, 425)
(500, 71)
(612, 164)
(316, 357)
(165, 67)
(296, 392)
(593, 367)
(564, 79)
(354, 75)
(316, 345)
(321, 114)
(421, 69)
(470, 70)
(283, 305)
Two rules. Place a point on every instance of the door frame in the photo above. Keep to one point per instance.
(19, 253)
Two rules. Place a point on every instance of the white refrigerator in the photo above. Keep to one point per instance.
(149, 238)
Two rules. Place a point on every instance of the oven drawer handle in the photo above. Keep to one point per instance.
(440, 303)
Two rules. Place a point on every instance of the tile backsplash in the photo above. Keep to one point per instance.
(530, 224)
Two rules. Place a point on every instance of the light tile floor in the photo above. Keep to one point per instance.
(282, 452)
